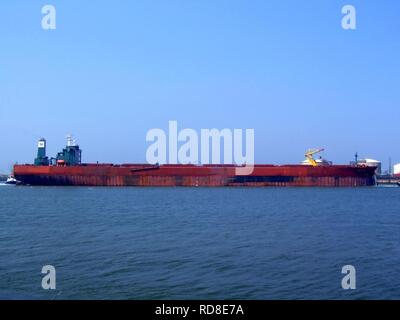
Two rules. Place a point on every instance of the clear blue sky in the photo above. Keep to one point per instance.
(112, 70)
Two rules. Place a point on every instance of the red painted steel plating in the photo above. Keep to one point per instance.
(192, 175)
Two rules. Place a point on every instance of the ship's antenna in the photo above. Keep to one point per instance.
(70, 141)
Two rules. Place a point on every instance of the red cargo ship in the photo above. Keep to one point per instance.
(67, 170)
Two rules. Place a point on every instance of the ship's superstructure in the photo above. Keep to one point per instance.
(71, 154)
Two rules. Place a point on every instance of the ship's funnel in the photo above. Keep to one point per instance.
(41, 159)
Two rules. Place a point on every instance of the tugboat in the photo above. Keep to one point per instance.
(11, 180)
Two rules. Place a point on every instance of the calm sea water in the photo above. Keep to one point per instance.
(199, 243)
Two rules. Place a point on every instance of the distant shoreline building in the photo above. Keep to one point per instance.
(396, 169)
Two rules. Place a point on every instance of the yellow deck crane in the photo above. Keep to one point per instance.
(309, 156)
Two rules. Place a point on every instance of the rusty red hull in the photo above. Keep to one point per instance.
(191, 175)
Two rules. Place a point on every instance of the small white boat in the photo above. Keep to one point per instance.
(11, 180)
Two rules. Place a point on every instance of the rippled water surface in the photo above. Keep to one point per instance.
(199, 243)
